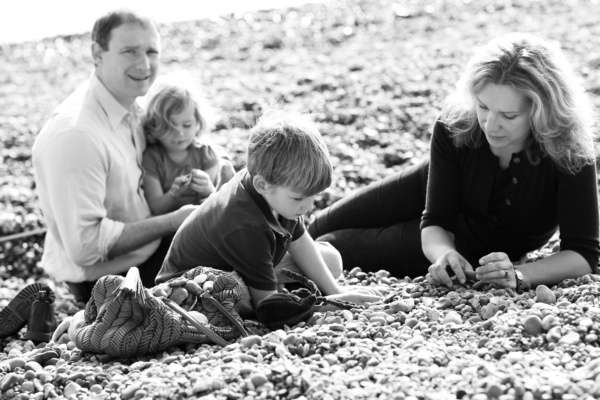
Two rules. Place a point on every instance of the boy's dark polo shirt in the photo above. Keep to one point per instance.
(234, 229)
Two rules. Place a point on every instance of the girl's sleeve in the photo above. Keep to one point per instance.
(578, 214)
(443, 183)
(151, 162)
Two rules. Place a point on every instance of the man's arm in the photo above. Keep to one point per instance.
(140, 233)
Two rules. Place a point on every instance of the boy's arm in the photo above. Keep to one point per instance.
(306, 255)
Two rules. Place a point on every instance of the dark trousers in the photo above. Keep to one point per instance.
(82, 291)
(377, 227)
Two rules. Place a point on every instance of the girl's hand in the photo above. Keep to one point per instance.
(201, 183)
(360, 295)
(497, 268)
(439, 273)
(179, 186)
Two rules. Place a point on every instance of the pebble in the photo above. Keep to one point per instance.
(9, 381)
(570, 338)
(452, 317)
(71, 388)
(533, 325)
(545, 295)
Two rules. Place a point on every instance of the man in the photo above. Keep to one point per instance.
(87, 161)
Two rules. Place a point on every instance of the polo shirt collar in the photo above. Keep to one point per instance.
(113, 109)
(262, 204)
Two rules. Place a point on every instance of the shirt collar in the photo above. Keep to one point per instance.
(262, 204)
(113, 109)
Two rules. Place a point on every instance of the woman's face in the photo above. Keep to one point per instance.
(503, 114)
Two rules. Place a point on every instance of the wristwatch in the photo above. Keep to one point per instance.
(522, 286)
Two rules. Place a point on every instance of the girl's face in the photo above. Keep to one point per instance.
(503, 114)
(186, 130)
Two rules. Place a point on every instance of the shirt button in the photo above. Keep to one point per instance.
(517, 160)
(507, 201)
(515, 181)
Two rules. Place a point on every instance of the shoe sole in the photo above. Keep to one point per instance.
(14, 316)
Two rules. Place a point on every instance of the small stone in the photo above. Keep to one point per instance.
(545, 295)
(488, 311)
(554, 334)
(44, 356)
(72, 388)
(9, 381)
(28, 387)
(33, 366)
(250, 341)
(16, 362)
(571, 338)
(549, 321)
(258, 379)
(453, 318)
(533, 325)
(202, 385)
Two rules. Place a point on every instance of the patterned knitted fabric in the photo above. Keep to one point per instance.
(124, 319)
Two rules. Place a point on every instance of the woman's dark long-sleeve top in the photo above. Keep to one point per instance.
(514, 211)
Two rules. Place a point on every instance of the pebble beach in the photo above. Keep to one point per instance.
(373, 73)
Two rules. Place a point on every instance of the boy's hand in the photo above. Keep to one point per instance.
(360, 295)
(201, 183)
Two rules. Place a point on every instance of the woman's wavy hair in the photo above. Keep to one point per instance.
(561, 116)
(169, 97)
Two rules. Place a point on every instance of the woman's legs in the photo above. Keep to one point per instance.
(377, 227)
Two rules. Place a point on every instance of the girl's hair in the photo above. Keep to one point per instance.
(561, 115)
(286, 148)
(169, 99)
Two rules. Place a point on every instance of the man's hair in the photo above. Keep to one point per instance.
(168, 99)
(104, 25)
(287, 150)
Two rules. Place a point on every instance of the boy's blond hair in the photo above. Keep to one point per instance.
(286, 149)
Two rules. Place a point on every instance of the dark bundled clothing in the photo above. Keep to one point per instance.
(516, 210)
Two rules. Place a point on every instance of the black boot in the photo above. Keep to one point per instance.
(14, 316)
(42, 322)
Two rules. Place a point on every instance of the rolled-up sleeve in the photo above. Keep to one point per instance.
(443, 183)
(75, 182)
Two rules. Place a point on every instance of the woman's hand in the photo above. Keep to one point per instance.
(201, 183)
(438, 272)
(497, 268)
(360, 295)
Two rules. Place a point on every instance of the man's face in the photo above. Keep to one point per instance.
(129, 66)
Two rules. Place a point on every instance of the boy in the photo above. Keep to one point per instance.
(254, 224)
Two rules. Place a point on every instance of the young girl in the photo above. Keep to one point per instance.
(179, 169)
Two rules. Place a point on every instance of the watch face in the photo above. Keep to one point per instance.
(518, 274)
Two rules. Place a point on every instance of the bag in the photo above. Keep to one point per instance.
(124, 319)
(290, 308)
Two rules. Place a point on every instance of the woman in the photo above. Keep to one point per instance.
(512, 161)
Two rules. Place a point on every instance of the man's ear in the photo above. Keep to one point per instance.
(96, 53)
(260, 184)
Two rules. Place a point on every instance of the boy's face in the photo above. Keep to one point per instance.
(286, 202)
